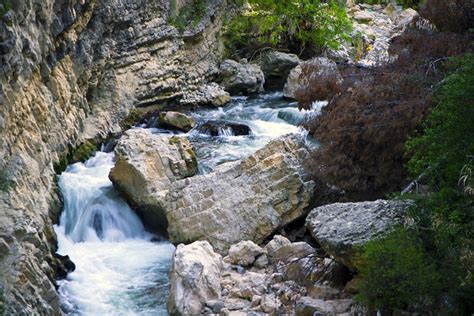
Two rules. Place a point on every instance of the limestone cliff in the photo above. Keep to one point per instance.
(70, 71)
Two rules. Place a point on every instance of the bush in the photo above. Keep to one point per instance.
(372, 112)
(397, 274)
(449, 15)
(303, 27)
(189, 15)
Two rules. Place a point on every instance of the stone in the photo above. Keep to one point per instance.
(270, 303)
(276, 67)
(223, 128)
(261, 262)
(293, 251)
(194, 278)
(320, 65)
(244, 253)
(363, 16)
(341, 228)
(307, 306)
(275, 244)
(177, 120)
(241, 79)
(243, 200)
(211, 94)
(245, 285)
(146, 165)
(407, 18)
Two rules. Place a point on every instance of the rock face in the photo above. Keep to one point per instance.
(194, 278)
(341, 227)
(70, 71)
(320, 66)
(243, 200)
(177, 120)
(146, 165)
(241, 78)
(276, 67)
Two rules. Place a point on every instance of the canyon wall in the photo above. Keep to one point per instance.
(71, 71)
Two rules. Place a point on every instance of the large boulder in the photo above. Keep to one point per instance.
(320, 67)
(177, 120)
(146, 165)
(341, 228)
(243, 200)
(276, 67)
(194, 278)
(241, 78)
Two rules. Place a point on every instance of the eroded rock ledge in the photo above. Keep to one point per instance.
(70, 71)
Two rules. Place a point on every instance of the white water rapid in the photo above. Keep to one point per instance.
(119, 269)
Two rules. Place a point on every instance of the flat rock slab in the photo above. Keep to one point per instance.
(341, 228)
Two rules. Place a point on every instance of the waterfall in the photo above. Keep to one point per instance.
(119, 270)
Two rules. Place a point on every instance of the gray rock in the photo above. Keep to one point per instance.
(146, 165)
(209, 94)
(341, 227)
(293, 251)
(261, 262)
(238, 78)
(270, 303)
(244, 253)
(276, 67)
(307, 306)
(243, 200)
(275, 244)
(177, 120)
(194, 278)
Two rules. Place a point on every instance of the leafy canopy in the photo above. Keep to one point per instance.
(300, 26)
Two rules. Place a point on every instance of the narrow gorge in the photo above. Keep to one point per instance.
(163, 157)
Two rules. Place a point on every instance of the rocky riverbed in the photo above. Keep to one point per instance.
(224, 181)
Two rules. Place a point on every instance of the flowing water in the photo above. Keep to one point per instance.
(120, 268)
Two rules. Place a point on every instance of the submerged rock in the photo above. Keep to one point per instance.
(220, 128)
(243, 200)
(194, 278)
(276, 67)
(341, 228)
(241, 78)
(177, 120)
(146, 165)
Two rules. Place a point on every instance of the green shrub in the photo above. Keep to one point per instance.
(189, 15)
(397, 274)
(5, 7)
(304, 27)
(5, 183)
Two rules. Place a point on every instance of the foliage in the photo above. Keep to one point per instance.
(5, 7)
(188, 15)
(5, 183)
(441, 236)
(396, 273)
(371, 113)
(303, 27)
(449, 15)
(447, 141)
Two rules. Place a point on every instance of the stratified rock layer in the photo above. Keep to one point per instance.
(341, 228)
(70, 71)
